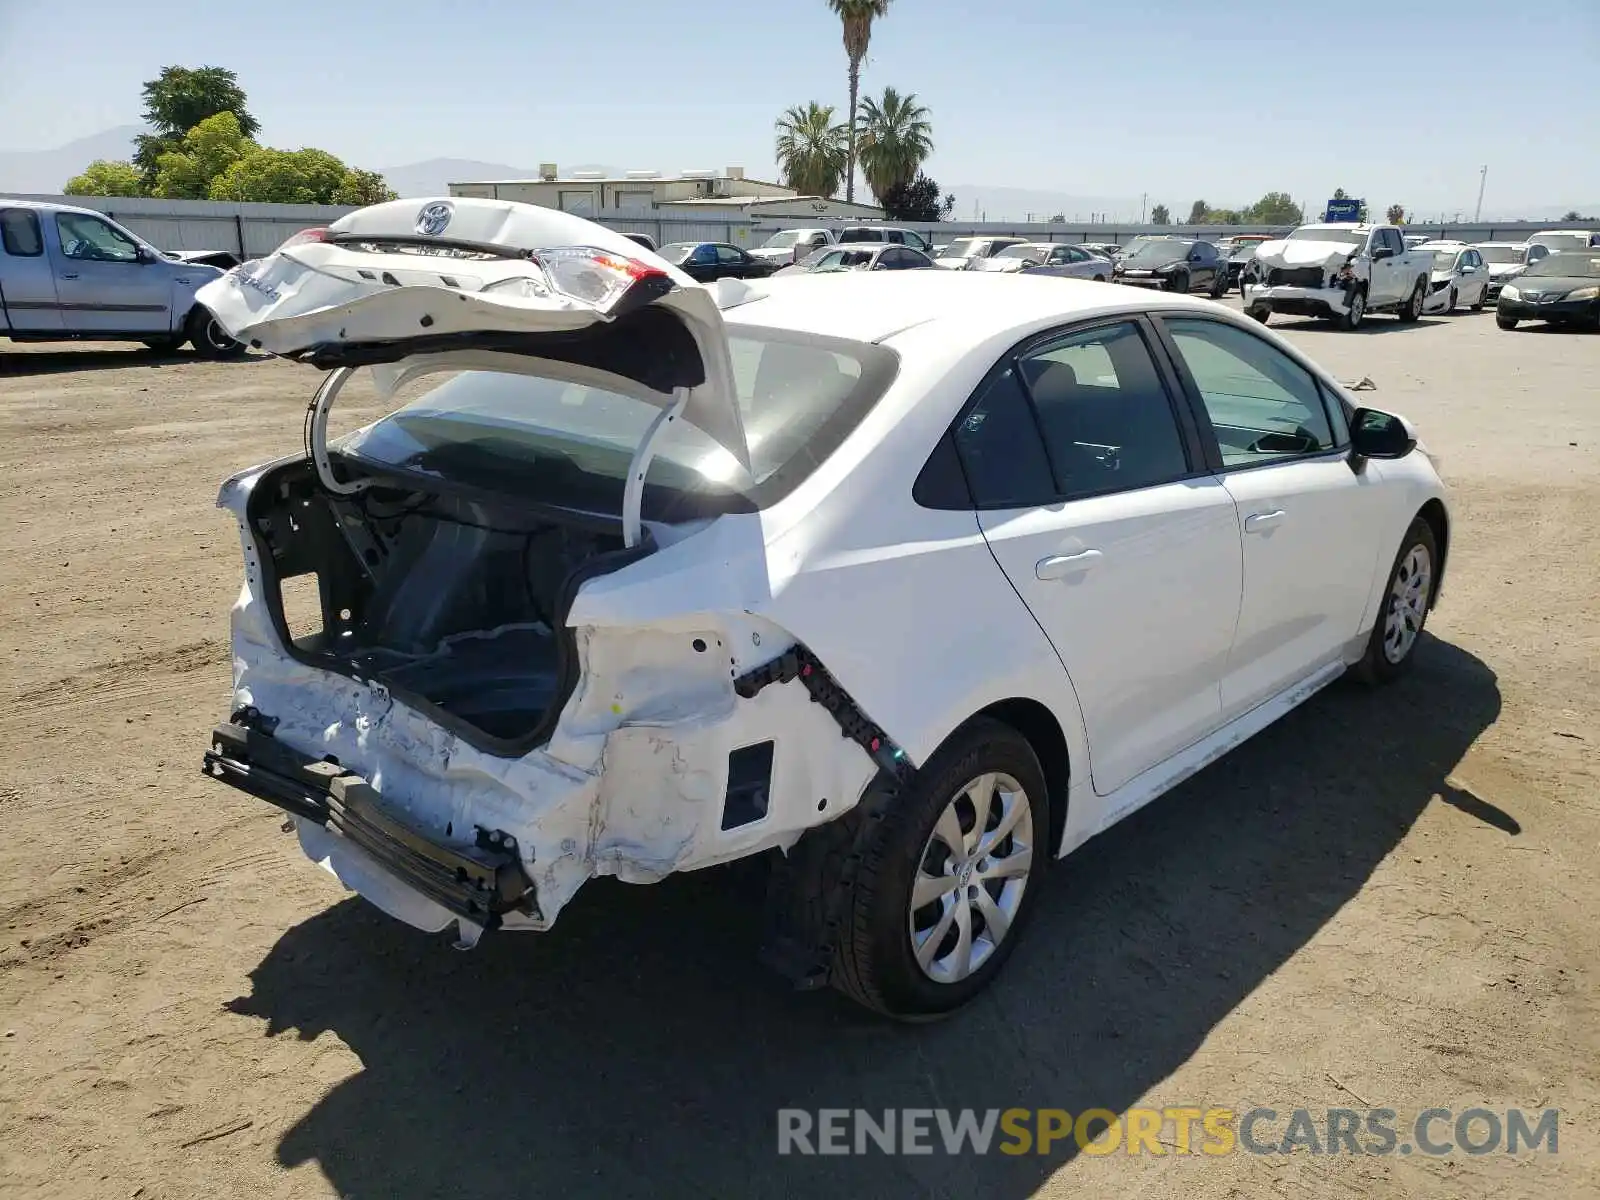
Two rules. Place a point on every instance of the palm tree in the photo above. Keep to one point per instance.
(857, 17)
(896, 139)
(811, 149)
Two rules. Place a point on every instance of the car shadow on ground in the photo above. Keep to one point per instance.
(55, 362)
(1380, 323)
(638, 1049)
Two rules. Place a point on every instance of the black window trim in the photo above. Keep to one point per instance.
(1195, 402)
(38, 233)
(1189, 437)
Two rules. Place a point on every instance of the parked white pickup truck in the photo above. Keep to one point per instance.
(1338, 271)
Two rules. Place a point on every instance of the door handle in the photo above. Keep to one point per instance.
(1257, 522)
(69, 274)
(1059, 566)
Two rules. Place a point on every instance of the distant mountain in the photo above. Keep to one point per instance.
(47, 171)
(1014, 204)
(431, 178)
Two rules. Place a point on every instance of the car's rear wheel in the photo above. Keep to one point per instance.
(1404, 610)
(1412, 311)
(208, 338)
(1260, 312)
(1099, 278)
(1504, 321)
(948, 877)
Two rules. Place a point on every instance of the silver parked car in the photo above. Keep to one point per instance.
(1048, 258)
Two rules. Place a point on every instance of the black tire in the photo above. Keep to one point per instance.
(1504, 321)
(1451, 307)
(1260, 312)
(1483, 298)
(1356, 314)
(1412, 310)
(1099, 278)
(1179, 283)
(208, 338)
(875, 963)
(1379, 664)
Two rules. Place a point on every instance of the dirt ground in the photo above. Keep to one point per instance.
(1388, 900)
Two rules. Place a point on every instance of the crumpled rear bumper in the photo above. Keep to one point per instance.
(478, 883)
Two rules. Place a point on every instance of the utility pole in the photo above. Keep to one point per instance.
(1483, 179)
(1143, 199)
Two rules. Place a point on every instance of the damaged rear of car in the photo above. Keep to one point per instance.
(526, 651)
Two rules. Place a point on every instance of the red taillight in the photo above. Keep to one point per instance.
(320, 234)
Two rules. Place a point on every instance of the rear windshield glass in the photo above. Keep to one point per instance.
(1501, 254)
(570, 444)
(1321, 233)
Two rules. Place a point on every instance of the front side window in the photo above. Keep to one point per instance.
(1107, 420)
(1263, 405)
(20, 233)
(729, 254)
(86, 237)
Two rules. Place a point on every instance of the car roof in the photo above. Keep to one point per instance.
(973, 304)
(48, 206)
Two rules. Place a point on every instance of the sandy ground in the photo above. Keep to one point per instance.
(1388, 900)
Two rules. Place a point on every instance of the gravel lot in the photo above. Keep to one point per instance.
(1388, 900)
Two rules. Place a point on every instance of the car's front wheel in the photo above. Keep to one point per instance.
(1355, 311)
(1179, 282)
(1404, 609)
(208, 338)
(947, 878)
(1504, 321)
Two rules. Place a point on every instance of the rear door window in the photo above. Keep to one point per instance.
(20, 233)
(1107, 419)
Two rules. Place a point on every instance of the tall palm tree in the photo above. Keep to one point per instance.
(896, 138)
(811, 149)
(857, 17)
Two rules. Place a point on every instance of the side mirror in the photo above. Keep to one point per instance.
(144, 254)
(1375, 434)
(1382, 252)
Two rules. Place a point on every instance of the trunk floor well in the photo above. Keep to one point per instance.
(456, 606)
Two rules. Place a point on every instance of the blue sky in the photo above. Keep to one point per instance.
(1177, 99)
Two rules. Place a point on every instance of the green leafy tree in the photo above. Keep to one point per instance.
(1340, 194)
(1275, 208)
(1224, 216)
(281, 177)
(1198, 212)
(1159, 215)
(811, 149)
(1572, 215)
(894, 140)
(179, 99)
(105, 177)
(208, 150)
(1396, 214)
(856, 18)
(916, 200)
(362, 188)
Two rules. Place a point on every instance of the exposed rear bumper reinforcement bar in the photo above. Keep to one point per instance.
(478, 883)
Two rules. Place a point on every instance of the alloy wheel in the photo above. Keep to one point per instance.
(1408, 603)
(971, 877)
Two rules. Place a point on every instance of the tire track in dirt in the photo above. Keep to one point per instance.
(139, 677)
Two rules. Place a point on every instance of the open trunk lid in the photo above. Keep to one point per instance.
(421, 277)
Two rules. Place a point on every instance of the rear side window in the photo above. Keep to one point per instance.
(1000, 448)
(20, 233)
(1107, 420)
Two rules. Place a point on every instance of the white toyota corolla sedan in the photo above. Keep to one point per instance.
(919, 578)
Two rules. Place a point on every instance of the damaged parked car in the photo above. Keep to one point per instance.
(607, 592)
(1339, 271)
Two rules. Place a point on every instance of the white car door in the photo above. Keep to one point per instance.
(1085, 468)
(1308, 519)
(1384, 285)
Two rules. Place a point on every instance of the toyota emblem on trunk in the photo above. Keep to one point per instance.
(431, 221)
